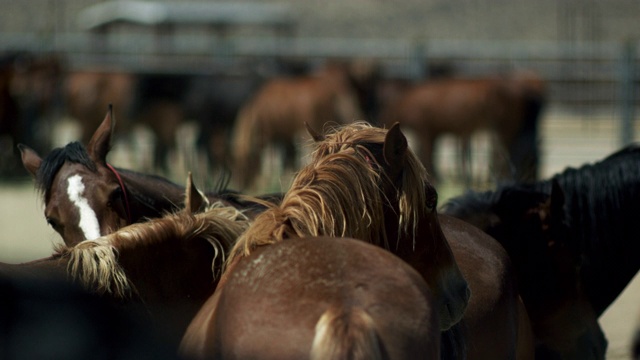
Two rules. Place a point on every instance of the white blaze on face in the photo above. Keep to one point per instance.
(88, 219)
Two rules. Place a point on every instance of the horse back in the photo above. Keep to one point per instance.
(323, 294)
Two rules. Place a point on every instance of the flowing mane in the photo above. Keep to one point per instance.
(94, 263)
(339, 194)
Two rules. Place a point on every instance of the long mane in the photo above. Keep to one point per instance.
(338, 194)
(602, 200)
(94, 263)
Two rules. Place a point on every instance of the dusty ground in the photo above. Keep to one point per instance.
(567, 142)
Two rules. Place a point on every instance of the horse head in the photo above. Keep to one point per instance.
(84, 196)
(408, 203)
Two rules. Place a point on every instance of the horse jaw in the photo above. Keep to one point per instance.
(30, 159)
(100, 142)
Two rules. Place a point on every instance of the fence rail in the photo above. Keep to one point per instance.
(580, 75)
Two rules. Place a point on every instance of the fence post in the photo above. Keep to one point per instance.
(627, 91)
(420, 68)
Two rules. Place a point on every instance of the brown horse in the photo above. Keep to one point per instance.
(341, 196)
(28, 87)
(509, 107)
(495, 303)
(276, 114)
(165, 268)
(85, 197)
(364, 182)
(320, 298)
(151, 100)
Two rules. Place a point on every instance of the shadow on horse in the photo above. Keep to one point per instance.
(160, 271)
(571, 238)
(507, 106)
(274, 118)
(85, 197)
(364, 182)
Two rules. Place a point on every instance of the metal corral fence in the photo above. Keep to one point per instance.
(585, 79)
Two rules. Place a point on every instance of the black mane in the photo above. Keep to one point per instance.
(73, 152)
(600, 216)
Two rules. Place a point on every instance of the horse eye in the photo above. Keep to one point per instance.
(52, 222)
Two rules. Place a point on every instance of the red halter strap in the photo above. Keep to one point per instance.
(124, 191)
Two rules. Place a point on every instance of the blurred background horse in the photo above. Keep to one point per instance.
(273, 120)
(507, 106)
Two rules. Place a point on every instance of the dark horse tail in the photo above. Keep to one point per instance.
(346, 333)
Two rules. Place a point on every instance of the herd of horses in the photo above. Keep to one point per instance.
(355, 260)
(241, 116)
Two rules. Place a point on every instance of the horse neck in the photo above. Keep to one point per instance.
(171, 277)
(424, 247)
(601, 207)
(47, 267)
(150, 196)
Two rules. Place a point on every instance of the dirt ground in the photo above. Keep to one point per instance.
(566, 142)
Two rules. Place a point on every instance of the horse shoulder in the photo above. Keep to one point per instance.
(494, 298)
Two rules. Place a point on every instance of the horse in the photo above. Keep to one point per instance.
(155, 101)
(118, 197)
(44, 316)
(163, 269)
(28, 88)
(364, 182)
(572, 240)
(276, 113)
(509, 107)
(322, 298)
(495, 302)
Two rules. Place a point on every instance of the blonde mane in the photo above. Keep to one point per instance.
(94, 263)
(338, 194)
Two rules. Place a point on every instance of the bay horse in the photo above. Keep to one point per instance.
(162, 270)
(507, 106)
(320, 298)
(85, 197)
(28, 86)
(152, 100)
(276, 114)
(571, 238)
(495, 302)
(364, 182)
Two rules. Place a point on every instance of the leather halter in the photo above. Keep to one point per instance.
(124, 192)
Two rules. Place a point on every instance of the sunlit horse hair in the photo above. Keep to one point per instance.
(339, 195)
(94, 263)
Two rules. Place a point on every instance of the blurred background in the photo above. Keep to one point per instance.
(179, 72)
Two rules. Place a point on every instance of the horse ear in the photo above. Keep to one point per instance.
(30, 159)
(194, 198)
(395, 145)
(317, 137)
(100, 142)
